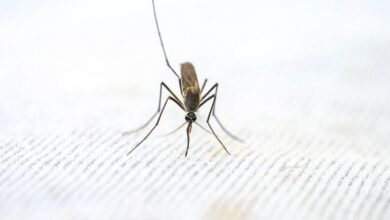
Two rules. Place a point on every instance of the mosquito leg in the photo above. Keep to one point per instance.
(181, 89)
(227, 131)
(203, 86)
(158, 121)
(161, 41)
(170, 91)
(162, 85)
(208, 120)
(215, 87)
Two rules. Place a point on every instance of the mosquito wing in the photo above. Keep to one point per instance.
(190, 87)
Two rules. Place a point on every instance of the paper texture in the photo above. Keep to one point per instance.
(306, 86)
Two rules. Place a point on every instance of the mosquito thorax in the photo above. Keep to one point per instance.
(190, 117)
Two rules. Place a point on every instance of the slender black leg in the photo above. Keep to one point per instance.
(203, 86)
(161, 41)
(215, 87)
(208, 119)
(158, 120)
(227, 131)
(162, 85)
(181, 89)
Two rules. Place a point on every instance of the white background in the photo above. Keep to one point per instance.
(304, 82)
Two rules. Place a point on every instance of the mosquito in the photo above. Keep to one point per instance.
(192, 96)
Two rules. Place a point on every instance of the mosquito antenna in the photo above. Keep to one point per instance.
(161, 41)
(184, 124)
(176, 129)
(203, 127)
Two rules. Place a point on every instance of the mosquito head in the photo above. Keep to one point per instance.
(190, 117)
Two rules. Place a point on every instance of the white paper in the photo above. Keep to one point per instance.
(305, 84)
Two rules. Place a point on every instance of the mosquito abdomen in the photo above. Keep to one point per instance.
(190, 87)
